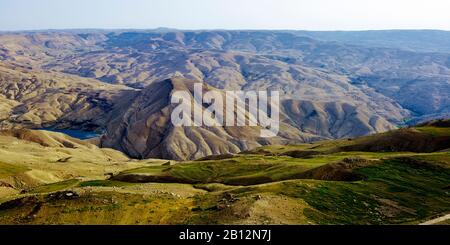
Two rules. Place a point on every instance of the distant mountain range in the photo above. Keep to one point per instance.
(333, 84)
(411, 40)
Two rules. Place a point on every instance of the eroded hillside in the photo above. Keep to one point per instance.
(100, 80)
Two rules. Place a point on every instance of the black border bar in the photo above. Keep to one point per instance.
(152, 234)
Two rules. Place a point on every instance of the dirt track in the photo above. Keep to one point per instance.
(437, 220)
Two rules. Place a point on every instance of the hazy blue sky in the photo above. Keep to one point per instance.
(226, 14)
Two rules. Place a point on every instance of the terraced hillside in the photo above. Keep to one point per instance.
(398, 177)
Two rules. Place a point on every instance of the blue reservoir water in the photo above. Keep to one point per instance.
(79, 134)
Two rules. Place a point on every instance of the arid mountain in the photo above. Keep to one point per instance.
(334, 119)
(249, 60)
(145, 129)
(120, 82)
(138, 122)
(49, 99)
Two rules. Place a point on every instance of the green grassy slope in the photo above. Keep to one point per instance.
(370, 180)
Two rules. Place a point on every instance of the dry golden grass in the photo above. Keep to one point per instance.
(47, 157)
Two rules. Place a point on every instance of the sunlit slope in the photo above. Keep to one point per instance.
(329, 182)
(275, 163)
(30, 158)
